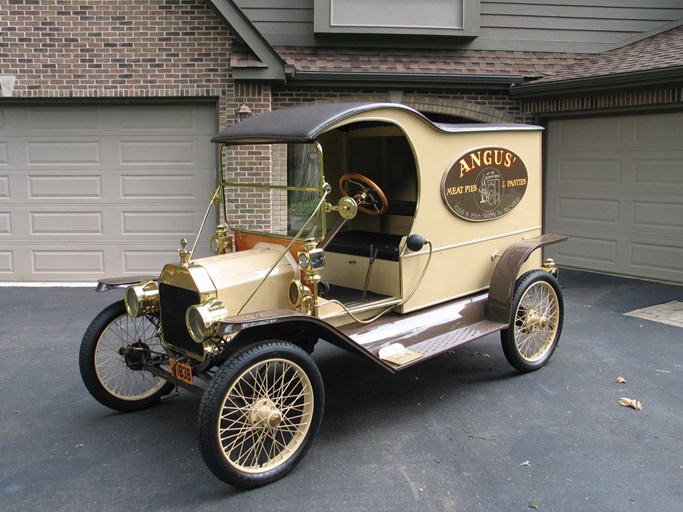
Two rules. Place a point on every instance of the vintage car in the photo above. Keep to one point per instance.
(363, 225)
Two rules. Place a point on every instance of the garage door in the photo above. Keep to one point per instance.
(615, 186)
(93, 191)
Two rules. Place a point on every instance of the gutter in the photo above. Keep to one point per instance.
(414, 80)
(619, 81)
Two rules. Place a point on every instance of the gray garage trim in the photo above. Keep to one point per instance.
(100, 190)
(615, 186)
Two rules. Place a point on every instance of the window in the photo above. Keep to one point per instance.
(398, 17)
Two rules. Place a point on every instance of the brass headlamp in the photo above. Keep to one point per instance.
(142, 299)
(202, 320)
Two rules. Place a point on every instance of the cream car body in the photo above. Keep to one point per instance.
(364, 225)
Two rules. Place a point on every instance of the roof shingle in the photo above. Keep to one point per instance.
(417, 61)
(661, 51)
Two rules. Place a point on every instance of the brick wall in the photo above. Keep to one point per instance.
(116, 49)
(481, 107)
(606, 102)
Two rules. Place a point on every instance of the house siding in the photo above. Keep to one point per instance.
(529, 25)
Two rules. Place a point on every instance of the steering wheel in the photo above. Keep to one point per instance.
(370, 198)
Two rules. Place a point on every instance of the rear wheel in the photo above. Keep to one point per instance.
(260, 413)
(537, 315)
(114, 349)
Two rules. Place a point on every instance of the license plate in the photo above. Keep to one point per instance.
(183, 372)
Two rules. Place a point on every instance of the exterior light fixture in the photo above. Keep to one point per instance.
(243, 112)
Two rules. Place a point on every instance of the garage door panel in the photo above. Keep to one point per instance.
(181, 119)
(658, 216)
(4, 154)
(655, 255)
(61, 120)
(60, 223)
(621, 194)
(587, 210)
(584, 250)
(4, 188)
(176, 222)
(5, 223)
(585, 171)
(159, 186)
(142, 262)
(583, 207)
(658, 129)
(655, 172)
(42, 225)
(64, 153)
(6, 262)
(174, 153)
(599, 132)
(95, 191)
(52, 186)
(67, 261)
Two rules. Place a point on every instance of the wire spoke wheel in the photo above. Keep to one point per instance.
(260, 413)
(113, 353)
(538, 312)
(266, 415)
(536, 321)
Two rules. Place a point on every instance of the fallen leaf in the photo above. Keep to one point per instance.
(630, 402)
(525, 463)
(533, 504)
(621, 380)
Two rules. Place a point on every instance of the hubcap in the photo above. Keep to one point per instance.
(265, 414)
(536, 320)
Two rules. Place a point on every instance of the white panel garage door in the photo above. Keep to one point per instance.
(94, 191)
(615, 186)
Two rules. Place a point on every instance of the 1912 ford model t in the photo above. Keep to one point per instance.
(428, 240)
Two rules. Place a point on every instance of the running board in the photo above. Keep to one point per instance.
(400, 341)
(394, 341)
(400, 359)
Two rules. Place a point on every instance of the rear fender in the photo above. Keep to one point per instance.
(505, 275)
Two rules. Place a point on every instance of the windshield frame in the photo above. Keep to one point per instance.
(318, 226)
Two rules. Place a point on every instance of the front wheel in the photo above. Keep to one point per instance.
(114, 349)
(537, 315)
(260, 413)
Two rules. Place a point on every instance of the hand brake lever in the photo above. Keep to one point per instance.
(373, 256)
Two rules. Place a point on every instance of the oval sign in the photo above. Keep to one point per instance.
(484, 184)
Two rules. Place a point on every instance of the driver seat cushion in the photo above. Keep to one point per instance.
(357, 243)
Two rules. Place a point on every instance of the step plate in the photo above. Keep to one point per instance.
(445, 342)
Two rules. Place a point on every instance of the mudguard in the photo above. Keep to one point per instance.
(104, 285)
(505, 275)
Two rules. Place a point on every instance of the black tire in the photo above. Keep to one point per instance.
(536, 323)
(260, 413)
(107, 374)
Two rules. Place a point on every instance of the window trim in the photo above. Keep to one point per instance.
(322, 23)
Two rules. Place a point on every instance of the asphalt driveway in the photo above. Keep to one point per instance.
(462, 432)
